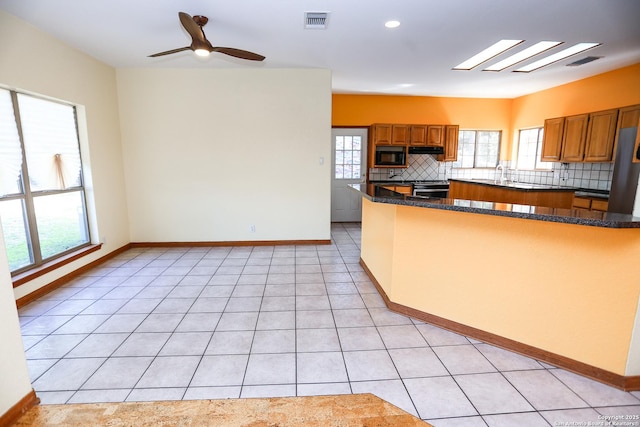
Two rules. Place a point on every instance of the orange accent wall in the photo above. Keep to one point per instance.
(616, 88)
(363, 110)
(544, 284)
(469, 113)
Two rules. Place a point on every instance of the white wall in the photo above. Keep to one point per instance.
(34, 62)
(208, 153)
(31, 61)
(15, 383)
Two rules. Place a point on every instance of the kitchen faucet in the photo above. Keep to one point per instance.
(501, 168)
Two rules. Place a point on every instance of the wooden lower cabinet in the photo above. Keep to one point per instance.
(402, 189)
(498, 194)
(590, 203)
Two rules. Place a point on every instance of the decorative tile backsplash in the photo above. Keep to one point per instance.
(424, 167)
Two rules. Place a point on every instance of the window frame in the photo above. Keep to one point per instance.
(353, 163)
(475, 149)
(27, 196)
(538, 155)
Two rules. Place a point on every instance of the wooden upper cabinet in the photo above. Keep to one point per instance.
(384, 134)
(451, 143)
(601, 135)
(381, 134)
(552, 139)
(418, 135)
(629, 116)
(400, 135)
(435, 135)
(574, 139)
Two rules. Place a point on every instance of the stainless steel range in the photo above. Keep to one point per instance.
(439, 189)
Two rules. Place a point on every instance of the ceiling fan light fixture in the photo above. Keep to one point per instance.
(202, 52)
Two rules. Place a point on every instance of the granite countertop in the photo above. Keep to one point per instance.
(377, 193)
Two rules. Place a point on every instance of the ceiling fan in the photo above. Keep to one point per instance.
(199, 43)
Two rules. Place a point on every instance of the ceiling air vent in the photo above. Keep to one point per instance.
(583, 61)
(316, 20)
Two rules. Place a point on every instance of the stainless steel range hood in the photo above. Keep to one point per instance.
(426, 150)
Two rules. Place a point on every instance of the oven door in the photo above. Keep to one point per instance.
(440, 193)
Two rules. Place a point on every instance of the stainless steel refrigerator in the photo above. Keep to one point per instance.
(625, 174)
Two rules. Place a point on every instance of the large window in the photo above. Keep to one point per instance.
(42, 204)
(529, 150)
(478, 149)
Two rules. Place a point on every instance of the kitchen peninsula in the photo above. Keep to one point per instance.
(559, 285)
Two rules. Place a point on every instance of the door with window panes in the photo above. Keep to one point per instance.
(349, 167)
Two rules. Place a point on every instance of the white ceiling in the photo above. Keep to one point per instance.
(364, 56)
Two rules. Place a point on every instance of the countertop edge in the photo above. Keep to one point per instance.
(564, 216)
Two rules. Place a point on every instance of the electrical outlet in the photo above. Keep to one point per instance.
(252, 228)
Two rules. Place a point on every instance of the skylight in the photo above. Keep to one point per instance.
(522, 55)
(503, 45)
(490, 52)
(573, 50)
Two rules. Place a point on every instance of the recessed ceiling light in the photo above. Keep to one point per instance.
(487, 54)
(522, 55)
(392, 24)
(575, 49)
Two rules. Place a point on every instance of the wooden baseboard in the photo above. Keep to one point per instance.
(626, 383)
(19, 409)
(33, 273)
(21, 302)
(229, 243)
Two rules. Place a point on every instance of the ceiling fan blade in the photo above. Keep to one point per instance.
(238, 53)
(168, 52)
(194, 30)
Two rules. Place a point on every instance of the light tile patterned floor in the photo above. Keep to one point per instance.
(210, 323)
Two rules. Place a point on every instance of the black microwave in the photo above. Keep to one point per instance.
(391, 156)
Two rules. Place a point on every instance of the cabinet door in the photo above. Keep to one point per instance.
(451, 143)
(435, 135)
(400, 135)
(574, 139)
(552, 139)
(600, 136)
(629, 116)
(418, 135)
(381, 134)
(599, 205)
(581, 203)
